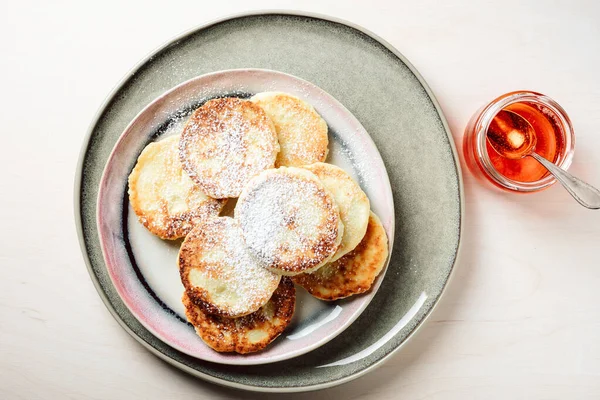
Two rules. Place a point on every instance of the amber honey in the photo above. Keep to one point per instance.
(555, 142)
(550, 144)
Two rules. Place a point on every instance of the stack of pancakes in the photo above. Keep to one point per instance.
(296, 220)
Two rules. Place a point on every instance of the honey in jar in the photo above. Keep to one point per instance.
(555, 142)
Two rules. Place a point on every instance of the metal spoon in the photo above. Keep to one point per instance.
(513, 137)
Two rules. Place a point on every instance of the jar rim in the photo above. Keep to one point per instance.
(489, 112)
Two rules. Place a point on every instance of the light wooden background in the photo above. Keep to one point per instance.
(521, 319)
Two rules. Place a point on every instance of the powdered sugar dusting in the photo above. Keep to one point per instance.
(301, 131)
(215, 263)
(225, 143)
(289, 221)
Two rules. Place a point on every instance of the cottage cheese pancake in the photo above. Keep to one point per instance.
(246, 334)
(301, 132)
(225, 143)
(219, 274)
(353, 203)
(355, 272)
(162, 195)
(290, 222)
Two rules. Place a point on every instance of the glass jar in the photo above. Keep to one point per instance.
(556, 142)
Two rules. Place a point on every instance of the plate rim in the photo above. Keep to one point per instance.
(348, 115)
(133, 71)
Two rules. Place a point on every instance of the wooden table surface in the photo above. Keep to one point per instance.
(521, 318)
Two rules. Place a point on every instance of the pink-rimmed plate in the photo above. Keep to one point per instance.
(143, 268)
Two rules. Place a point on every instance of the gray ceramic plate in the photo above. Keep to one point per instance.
(395, 106)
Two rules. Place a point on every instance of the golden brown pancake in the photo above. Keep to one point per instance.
(301, 131)
(290, 222)
(163, 197)
(218, 272)
(355, 272)
(353, 203)
(225, 143)
(246, 334)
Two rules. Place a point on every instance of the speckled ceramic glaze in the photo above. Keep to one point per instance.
(143, 268)
(378, 86)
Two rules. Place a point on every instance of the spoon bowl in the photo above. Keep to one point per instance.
(511, 135)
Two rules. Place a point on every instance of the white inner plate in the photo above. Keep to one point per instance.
(143, 268)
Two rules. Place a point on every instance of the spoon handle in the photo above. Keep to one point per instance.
(587, 195)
